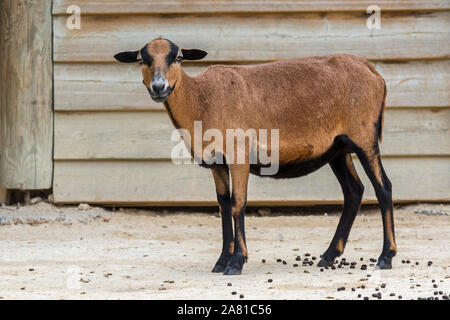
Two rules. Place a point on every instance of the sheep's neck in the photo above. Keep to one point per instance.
(182, 104)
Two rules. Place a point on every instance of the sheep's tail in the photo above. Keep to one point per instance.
(381, 117)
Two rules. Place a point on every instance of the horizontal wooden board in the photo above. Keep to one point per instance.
(212, 6)
(163, 183)
(250, 37)
(146, 135)
(115, 86)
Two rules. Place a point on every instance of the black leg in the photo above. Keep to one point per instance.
(239, 257)
(353, 190)
(221, 179)
(371, 162)
(239, 177)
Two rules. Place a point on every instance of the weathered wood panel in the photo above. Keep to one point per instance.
(3, 195)
(112, 141)
(162, 183)
(26, 116)
(146, 135)
(99, 86)
(220, 6)
(249, 37)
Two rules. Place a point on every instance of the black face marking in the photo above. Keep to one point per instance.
(172, 56)
(146, 58)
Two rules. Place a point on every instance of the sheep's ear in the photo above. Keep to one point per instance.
(193, 54)
(127, 56)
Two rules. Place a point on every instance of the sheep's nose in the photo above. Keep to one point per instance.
(158, 86)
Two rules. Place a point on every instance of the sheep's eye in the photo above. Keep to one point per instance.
(179, 59)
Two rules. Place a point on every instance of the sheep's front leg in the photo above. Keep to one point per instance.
(222, 181)
(239, 177)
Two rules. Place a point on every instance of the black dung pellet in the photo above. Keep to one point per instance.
(399, 297)
(278, 260)
(333, 268)
(403, 261)
(263, 260)
(269, 280)
(307, 254)
(353, 289)
(284, 262)
(430, 263)
(366, 298)
(407, 261)
(321, 269)
(417, 263)
(298, 258)
(295, 265)
(435, 293)
(241, 296)
(311, 263)
(441, 293)
(373, 260)
(234, 293)
(383, 285)
(229, 284)
(314, 258)
(435, 285)
(374, 295)
(392, 294)
(359, 295)
(361, 259)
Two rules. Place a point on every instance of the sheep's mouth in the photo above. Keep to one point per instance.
(161, 97)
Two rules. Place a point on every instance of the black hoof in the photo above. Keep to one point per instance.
(234, 266)
(221, 263)
(327, 260)
(384, 262)
(218, 268)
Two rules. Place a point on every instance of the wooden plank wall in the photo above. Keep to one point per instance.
(112, 142)
(26, 84)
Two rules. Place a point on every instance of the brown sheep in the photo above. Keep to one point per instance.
(325, 108)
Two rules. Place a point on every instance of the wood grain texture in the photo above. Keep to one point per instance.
(249, 37)
(26, 116)
(3, 195)
(215, 6)
(115, 86)
(162, 183)
(146, 135)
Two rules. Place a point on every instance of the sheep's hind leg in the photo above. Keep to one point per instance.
(371, 162)
(222, 181)
(353, 190)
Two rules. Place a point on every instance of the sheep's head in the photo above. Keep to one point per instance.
(160, 62)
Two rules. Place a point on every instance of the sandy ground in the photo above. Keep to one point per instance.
(64, 253)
